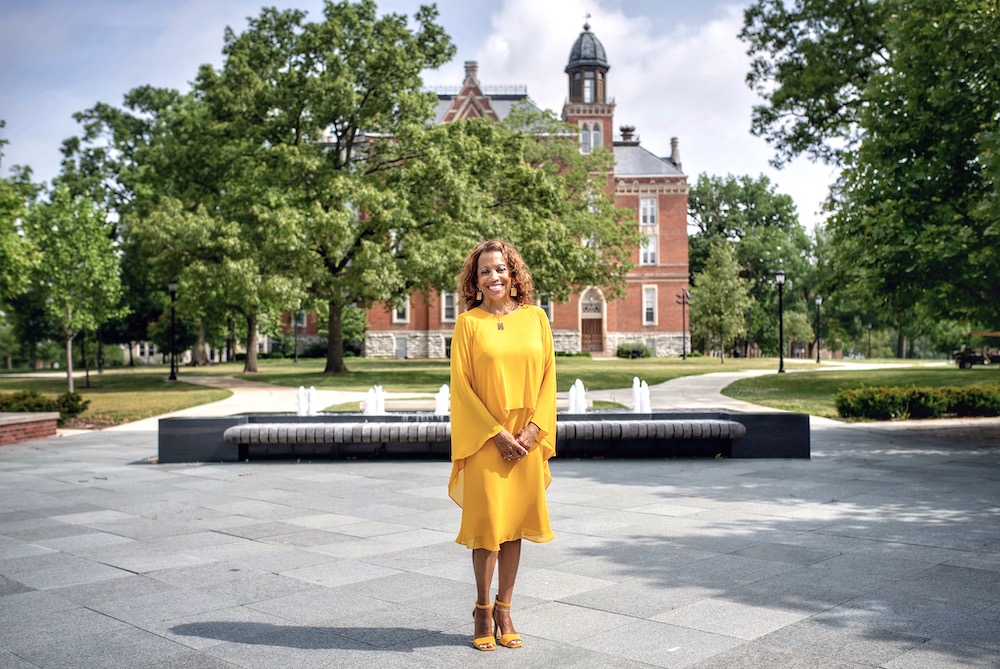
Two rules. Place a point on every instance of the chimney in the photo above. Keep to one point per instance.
(627, 132)
(675, 153)
(471, 73)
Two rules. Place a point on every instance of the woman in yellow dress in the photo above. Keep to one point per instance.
(503, 427)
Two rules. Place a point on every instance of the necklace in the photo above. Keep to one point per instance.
(498, 314)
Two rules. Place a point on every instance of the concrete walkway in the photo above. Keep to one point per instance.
(883, 550)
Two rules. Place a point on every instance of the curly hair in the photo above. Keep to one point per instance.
(520, 276)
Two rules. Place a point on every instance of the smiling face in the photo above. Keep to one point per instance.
(493, 277)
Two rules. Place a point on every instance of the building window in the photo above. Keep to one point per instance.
(647, 228)
(585, 139)
(401, 314)
(650, 241)
(596, 137)
(647, 211)
(448, 299)
(588, 87)
(545, 304)
(649, 305)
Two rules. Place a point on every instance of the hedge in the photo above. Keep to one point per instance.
(893, 403)
(69, 405)
(633, 350)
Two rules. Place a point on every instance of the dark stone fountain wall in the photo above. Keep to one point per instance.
(659, 434)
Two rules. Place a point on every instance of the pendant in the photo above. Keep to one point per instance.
(499, 325)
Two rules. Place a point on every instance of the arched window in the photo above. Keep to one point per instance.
(585, 138)
(596, 140)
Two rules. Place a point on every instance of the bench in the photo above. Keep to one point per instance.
(599, 434)
(360, 438)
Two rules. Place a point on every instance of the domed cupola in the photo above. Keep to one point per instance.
(587, 69)
(587, 51)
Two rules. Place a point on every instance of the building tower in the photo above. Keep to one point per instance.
(588, 107)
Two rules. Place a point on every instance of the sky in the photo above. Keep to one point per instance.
(677, 69)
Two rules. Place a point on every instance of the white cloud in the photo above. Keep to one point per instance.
(677, 68)
(687, 82)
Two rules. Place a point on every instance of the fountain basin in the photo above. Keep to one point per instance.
(601, 434)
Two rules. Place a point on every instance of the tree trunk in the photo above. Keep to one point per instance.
(69, 363)
(86, 363)
(250, 365)
(199, 357)
(335, 340)
(900, 345)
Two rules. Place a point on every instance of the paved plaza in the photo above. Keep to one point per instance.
(883, 550)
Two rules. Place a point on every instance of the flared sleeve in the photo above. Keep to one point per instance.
(472, 424)
(544, 415)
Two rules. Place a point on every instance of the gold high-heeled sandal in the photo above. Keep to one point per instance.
(484, 642)
(511, 640)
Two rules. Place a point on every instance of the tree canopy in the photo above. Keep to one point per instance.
(903, 95)
(80, 276)
(307, 172)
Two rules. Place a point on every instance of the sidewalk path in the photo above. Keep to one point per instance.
(247, 397)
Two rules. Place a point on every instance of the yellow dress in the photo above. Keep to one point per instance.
(501, 378)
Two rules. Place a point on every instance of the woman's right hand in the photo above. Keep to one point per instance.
(508, 446)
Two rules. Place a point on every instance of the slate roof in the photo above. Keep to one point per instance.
(631, 160)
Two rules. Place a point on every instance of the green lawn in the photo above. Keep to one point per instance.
(121, 395)
(426, 376)
(814, 392)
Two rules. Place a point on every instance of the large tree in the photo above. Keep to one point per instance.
(16, 256)
(811, 63)
(763, 230)
(719, 299)
(80, 273)
(310, 163)
(905, 96)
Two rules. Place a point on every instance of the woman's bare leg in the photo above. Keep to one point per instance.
(509, 559)
(483, 565)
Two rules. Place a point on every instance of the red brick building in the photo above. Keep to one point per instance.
(653, 187)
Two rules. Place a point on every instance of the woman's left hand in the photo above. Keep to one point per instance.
(528, 435)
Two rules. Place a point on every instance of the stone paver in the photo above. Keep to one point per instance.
(883, 550)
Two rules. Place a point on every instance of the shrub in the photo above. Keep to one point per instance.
(872, 403)
(27, 400)
(926, 403)
(882, 403)
(634, 350)
(68, 405)
(973, 401)
(71, 405)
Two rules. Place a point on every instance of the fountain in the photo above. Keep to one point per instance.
(300, 407)
(312, 400)
(374, 402)
(638, 432)
(442, 401)
(640, 396)
(577, 397)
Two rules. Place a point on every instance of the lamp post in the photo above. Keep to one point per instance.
(298, 317)
(172, 287)
(779, 278)
(683, 299)
(869, 341)
(819, 302)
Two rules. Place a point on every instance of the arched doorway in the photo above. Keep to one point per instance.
(592, 322)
